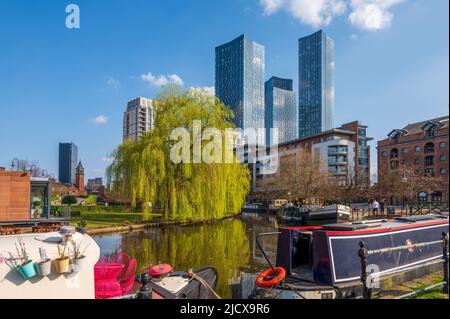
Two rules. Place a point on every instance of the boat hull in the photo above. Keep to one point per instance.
(344, 265)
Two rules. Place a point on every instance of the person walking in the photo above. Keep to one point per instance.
(375, 207)
(382, 205)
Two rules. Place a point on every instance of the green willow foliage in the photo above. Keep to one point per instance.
(144, 171)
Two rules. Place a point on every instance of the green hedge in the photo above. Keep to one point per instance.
(77, 210)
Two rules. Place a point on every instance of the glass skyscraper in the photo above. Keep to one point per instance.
(240, 80)
(281, 110)
(316, 84)
(68, 160)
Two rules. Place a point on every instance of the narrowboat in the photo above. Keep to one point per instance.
(254, 208)
(313, 215)
(323, 261)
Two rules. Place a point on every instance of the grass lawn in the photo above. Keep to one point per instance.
(106, 219)
(431, 294)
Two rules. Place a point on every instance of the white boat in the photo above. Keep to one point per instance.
(78, 283)
(314, 214)
(330, 212)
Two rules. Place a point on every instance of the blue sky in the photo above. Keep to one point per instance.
(59, 84)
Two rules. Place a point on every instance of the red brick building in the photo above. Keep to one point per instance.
(23, 197)
(421, 148)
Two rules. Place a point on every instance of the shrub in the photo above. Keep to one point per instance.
(69, 200)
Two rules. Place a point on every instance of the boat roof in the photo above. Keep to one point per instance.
(379, 225)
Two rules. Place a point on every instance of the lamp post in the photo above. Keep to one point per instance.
(15, 164)
(404, 183)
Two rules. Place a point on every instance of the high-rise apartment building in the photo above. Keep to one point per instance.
(68, 157)
(239, 80)
(138, 118)
(316, 84)
(280, 110)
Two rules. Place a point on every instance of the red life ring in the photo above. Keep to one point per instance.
(261, 282)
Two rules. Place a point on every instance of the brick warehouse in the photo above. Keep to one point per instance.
(421, 148)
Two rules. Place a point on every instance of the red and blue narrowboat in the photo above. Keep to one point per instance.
(323, 262)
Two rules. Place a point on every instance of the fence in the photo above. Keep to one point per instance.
(362, 211)
(366, 278)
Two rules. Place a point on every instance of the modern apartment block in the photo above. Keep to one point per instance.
(138, 118)
(68, 159)
(281, 110)
(342, 153)
(316, 84)
(419, 148)
(239, 80)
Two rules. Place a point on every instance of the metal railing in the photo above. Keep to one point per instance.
(363, 253)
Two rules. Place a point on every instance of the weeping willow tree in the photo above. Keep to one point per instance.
(144, 171)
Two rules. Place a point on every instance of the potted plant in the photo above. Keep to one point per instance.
(62, 263)
(22, 263)
(81, 226)
(44, 266)
(79, 258)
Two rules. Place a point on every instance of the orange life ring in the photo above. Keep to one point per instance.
(263, 283)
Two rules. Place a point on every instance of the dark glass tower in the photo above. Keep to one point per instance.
(281, 110)
(240, 80)
(68, 158)
(316, 84)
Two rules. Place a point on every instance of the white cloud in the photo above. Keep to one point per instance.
(111, 82)
(372, 14)
(271, 6)
(364, 14)
(99, 120)
(161, 80)
(208, 90)
(316, 13)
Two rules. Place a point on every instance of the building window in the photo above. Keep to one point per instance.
(417, 161)
(442, 158)
(429, 161)
(443, 171)
(394, 153)
(384, 154)
(429, 148)
(417, 149)
(430, 132)
(442, 145)
(394, 164)
(429, 172)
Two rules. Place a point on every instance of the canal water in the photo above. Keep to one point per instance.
(228, 245)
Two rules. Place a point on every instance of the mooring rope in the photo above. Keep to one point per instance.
(193, 275)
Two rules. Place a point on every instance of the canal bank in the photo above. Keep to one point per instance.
(147, 225)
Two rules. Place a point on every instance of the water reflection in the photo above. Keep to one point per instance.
(229, 245)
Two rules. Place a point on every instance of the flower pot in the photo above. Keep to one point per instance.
(78, 263)
(62, 265)
(27, 271)
(44, 267)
